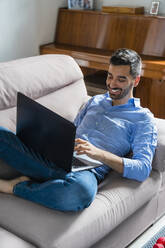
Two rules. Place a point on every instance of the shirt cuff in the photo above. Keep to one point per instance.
(134, 169)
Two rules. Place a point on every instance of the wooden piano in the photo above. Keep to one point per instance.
(90, 37)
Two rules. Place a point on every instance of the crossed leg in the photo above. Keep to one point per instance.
(41, 182)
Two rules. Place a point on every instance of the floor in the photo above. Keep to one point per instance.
(148, 234)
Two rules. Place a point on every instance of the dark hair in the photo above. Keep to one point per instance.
(124, 56)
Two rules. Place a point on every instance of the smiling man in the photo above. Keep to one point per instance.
(109, 127)
(120, 83)
(117, 124)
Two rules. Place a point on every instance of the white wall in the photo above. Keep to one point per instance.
(48, 16)
(26, 24)
(145, 3)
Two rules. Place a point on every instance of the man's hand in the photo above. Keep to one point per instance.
(113, 161)
(85, 147)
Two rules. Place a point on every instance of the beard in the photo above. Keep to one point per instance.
(122, 94)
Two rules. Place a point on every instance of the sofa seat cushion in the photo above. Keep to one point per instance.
(9, 240)
(117, 199)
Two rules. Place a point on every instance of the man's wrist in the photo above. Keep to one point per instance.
(113, 161)
(100, 155)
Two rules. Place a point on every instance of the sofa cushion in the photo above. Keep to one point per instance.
(9, 240)
(36, 76)
(117, 199)
(8, 118)
(159, 158)
(66, 101)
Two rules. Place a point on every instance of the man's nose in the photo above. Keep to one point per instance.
(111, 82)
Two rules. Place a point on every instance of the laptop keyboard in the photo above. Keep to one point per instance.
(76, 163)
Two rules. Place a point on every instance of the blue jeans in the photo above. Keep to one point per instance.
(50, 186)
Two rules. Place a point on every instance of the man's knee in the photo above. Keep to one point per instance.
(73, 193)
(82, 190)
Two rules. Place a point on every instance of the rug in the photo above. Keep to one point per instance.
(152, 241)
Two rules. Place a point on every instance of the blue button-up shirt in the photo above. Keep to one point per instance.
(120, 129)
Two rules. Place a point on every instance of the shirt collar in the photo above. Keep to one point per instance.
(135, 101)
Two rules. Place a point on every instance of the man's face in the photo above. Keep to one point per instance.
(120, 83)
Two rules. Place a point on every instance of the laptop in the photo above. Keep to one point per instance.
(49, 135)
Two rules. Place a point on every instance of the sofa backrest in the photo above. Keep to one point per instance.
(55, 81)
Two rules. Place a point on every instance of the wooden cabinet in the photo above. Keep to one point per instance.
(90, 37)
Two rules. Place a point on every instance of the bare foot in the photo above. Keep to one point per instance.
(6, 186)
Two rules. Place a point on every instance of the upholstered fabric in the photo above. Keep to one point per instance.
(163, 180)
(159, 158)
(116, 200)
(36, 77)
(65, 101)
(8, 118)
(9, 240)
(132, 227)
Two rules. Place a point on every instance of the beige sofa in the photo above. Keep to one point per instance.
(122, 209)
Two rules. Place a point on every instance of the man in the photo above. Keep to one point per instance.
(108, 128)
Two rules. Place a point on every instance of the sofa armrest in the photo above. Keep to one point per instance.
(159, 158)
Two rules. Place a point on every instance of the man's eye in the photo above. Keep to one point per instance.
(109, 76)
(121, 80)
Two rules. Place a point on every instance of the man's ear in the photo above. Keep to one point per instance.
(136, 82)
